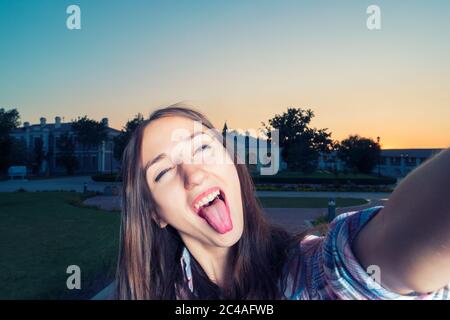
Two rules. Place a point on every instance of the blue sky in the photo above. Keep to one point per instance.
(242, 61)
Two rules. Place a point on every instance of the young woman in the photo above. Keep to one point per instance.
(192, 228)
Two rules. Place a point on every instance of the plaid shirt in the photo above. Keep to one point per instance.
(324, 268)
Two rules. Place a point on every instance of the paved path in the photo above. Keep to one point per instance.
(54, 184)
(104, 202)
(293, 219)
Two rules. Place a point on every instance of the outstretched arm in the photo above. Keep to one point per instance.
(409, 239)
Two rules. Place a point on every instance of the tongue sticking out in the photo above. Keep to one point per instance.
(217, 216)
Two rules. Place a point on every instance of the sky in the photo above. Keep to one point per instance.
(236, 60)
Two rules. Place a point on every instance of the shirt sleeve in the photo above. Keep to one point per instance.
(331, 271)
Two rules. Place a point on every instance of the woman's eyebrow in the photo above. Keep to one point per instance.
(161, 156)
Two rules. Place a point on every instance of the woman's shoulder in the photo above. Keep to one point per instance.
(342, 230)
(308, 269)
(324, 267)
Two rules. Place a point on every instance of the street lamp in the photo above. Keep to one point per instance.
(331, 209)
(379, 156)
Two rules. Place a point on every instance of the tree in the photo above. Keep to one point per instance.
(19, 153)
(67, 158)
(90, 133)
(9, 120)
(121, 140)
(301, 144)
(302, 156)
(359, 153)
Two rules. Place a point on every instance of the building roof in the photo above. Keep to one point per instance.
(414, 153)
(63, 127)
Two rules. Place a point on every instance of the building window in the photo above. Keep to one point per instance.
(396, 161)
(411, 162)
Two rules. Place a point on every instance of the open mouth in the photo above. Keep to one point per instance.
(211, 205)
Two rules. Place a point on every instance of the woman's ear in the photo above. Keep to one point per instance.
(160, 222)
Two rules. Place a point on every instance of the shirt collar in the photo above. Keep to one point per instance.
(186, 267)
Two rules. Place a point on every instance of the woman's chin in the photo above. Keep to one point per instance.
(227, 239)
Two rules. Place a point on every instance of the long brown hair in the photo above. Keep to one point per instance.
(149, 257)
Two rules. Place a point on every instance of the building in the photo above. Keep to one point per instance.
(98, 159)
(330, 162)
(399, 162)
(395, 163)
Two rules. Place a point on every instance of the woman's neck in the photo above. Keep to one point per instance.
(215, 261)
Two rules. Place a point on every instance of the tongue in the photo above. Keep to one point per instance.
(217, 216)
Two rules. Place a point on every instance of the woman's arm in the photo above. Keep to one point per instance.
(409, 239)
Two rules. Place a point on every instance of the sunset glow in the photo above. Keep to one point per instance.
(239, 61)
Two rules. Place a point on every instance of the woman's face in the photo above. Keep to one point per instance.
(186, 167)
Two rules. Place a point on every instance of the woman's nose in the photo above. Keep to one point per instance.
(192, 174)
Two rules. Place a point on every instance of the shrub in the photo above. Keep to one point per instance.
(336, 181)
(322, 188)
(107, 177)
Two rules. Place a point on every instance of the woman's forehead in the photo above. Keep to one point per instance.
(166, 126)
(163, 134)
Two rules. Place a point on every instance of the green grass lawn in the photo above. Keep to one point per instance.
(41, 234)
(288, 202)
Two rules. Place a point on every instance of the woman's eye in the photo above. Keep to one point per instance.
(203, 147)
(159, 176)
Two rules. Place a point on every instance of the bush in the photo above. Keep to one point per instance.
(320, 220)
(320, 227)
(323, 188)
(107, 177)
(331, 180)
